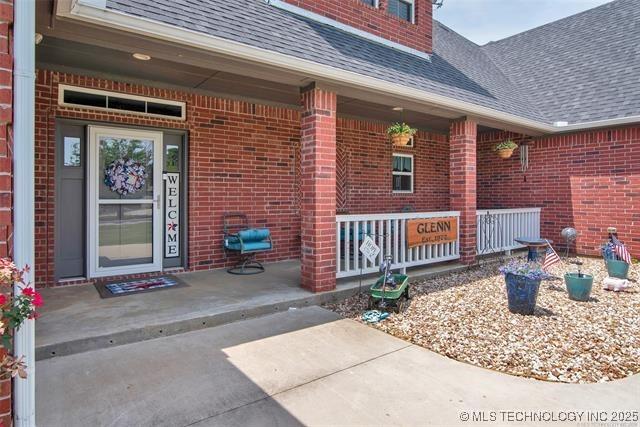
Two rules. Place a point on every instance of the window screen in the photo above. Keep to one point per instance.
(402, 9)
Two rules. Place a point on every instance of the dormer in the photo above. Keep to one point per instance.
(406, 23)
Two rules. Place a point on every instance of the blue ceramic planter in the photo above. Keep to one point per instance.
(579, 288)
(522, 293)
(619, 269)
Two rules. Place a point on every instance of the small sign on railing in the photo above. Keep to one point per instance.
(369, 249)
(430, 231)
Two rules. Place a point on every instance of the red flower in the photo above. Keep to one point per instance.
(3, 299)
(28, 291)
(37, 299)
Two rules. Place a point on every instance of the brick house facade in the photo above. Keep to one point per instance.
(243, 154)
(586, 180)
(286, 117)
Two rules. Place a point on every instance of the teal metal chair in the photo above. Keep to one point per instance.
(245, 241)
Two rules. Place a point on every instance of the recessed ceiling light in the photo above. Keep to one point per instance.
(141, 56)
(398, 108)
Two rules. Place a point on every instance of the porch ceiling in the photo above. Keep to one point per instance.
(78, 48)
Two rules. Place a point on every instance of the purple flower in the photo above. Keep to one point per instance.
(530, 270)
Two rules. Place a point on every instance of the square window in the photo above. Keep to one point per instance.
(72, 151)
(402, 9)
(402, 173)
(372, 3)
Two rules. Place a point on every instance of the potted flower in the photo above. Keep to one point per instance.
(578, 284)
(400, 133)
(615, 267)
(523, 283)
(505, 149)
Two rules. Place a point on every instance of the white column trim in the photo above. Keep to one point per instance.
(24, 409)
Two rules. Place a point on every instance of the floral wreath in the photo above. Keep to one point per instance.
(125, 176)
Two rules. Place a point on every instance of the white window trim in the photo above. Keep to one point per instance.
(411, 174)
(63, 87)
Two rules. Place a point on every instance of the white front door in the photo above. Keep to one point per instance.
(125, 193)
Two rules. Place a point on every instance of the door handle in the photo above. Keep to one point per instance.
(157, 201)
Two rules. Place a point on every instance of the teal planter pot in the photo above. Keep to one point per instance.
(618, 269)
(579, 288)
(522, 293)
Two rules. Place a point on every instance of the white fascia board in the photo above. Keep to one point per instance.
(280, 4)
(84, 10)
(620, 121)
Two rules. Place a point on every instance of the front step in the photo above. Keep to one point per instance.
(179, 327)
(202, 320)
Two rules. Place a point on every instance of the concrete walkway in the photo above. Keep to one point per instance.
(300, 367)
(75, 319)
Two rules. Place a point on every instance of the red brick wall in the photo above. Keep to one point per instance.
(377, 21)
(242, 157)
(318, 189)
(6, 170)
(462, 184)
(588, 180)
(368, 163)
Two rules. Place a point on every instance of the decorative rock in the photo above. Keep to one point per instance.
(464, 316)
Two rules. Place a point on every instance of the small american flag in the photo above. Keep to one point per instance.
(620, 250)
(550, 258)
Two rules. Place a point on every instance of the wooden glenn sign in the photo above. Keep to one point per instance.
(431, 231)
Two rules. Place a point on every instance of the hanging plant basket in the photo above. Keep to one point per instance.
(505, 153)
(400, 133)
(505, 149)
(401, 139)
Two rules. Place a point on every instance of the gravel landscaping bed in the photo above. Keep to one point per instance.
(464, 316)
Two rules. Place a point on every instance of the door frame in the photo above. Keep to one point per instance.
(93, 152)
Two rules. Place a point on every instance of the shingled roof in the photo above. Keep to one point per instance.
(582, 68)
(517, 75)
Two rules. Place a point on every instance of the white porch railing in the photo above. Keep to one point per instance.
(389, 233)
(497, 228)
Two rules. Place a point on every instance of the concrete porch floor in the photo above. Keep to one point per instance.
(75, 319)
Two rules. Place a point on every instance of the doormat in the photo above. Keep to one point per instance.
(129, 287)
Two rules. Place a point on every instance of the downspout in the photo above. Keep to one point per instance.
(24, 29)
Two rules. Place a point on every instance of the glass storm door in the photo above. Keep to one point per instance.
(125, 190)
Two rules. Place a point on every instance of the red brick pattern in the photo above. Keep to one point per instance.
(587, 180)
(318, 189)
(6, 169)
(462, 184)
(241, 158)
(378, 21)
(369, 166)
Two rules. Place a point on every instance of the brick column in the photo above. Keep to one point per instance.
(6, 170)
(318, 189)
(462, 184)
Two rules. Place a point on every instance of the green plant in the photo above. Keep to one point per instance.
(16, 309)
(401, 129)
(506, 145)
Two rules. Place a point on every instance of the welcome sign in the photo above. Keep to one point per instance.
(431, 231)
(172, 215)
